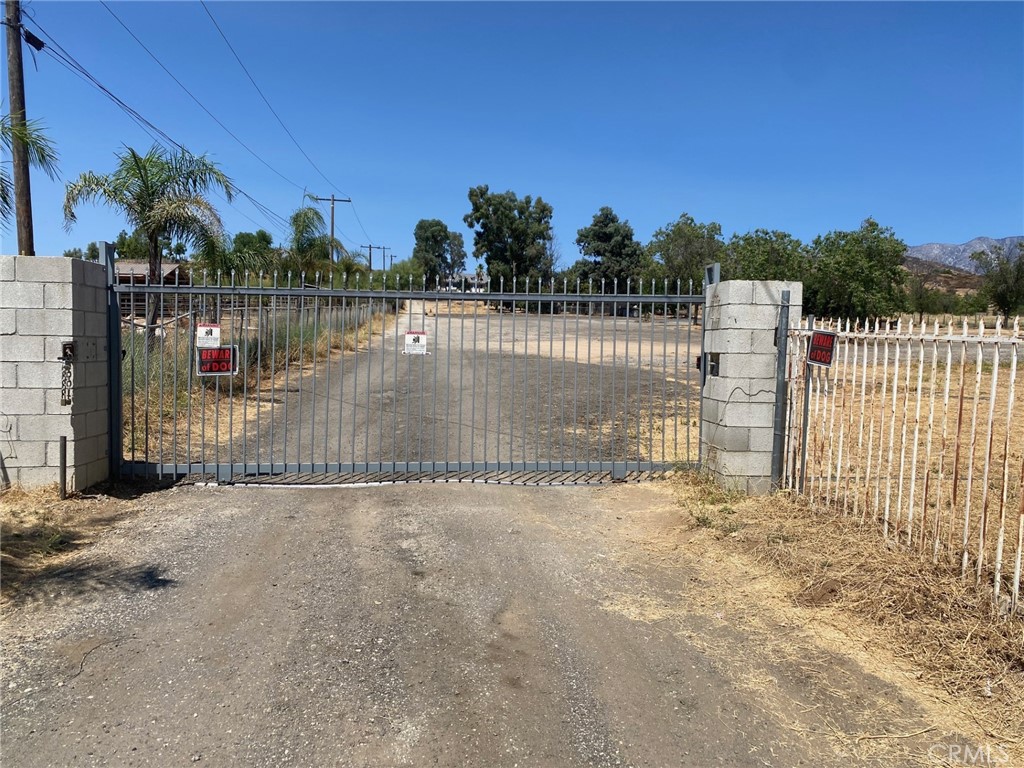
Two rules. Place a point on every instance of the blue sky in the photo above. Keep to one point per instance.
(803, 117)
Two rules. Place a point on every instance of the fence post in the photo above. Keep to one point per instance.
(115, 436)
(807, 408)
(782, 346)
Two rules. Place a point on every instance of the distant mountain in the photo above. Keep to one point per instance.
(959, 256)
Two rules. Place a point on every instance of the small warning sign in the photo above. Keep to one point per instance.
(415, 343)
(823, 345)
(207, 335)
(217, 361)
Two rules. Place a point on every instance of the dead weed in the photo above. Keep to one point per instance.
(946, 627)
(39, 530)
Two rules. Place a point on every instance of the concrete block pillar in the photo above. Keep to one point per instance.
(739, 379)
(45, 302)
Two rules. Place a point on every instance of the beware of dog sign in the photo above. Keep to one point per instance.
(823, 345)
(217, 361)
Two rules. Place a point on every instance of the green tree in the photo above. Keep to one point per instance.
(246, 253)
(685, 247)
(310, 246)
(513, 235)
(74, 253)
(439, 253)
(580, 272)
(614, 252)
(1002, 276)
(92, 251)
(764, 255)
(259, 243)
(133, 246)
(405, 274)
(161, 193)
(921, 299)
(857, 273)
(41, 154)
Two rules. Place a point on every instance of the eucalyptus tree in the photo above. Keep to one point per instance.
(438, 252)
(614, 253)
(513, 235)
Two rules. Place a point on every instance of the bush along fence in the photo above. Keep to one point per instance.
(917, 429)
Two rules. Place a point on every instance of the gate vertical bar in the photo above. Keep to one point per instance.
(807, 407)
(115, 407)
(782, 347)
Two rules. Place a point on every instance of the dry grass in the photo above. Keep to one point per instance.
(839, 568)
(866, 456)
(39, 531)
(157, 419)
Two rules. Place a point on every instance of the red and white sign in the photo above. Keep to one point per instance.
(217, 361)
(415, 343)
(823, 345)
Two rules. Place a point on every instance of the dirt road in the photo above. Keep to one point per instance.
(452, 625)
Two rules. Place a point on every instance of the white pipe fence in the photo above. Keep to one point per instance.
(917, 429)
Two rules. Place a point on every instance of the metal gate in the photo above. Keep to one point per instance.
(267, 381)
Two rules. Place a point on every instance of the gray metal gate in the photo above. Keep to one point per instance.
(522, 384)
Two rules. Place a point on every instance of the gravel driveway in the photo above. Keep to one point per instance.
(452, 625)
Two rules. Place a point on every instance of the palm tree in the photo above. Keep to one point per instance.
(41, 154)
(160, 193)
(310, 250)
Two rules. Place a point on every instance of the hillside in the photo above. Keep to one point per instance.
(941, 276)
(959, 256)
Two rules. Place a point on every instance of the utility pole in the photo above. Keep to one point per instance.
(383, 256)
(370, 248)
(19, 151)
(333, 200)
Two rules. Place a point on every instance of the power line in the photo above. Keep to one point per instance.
(60, 55)
(262, 96)
(196, 100)
(279, 120)
(381, 248)
(333, 200)
(360, 221)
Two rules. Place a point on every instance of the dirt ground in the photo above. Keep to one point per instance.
(664, 623)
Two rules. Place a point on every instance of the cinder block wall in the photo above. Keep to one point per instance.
(739, 402)
(44, 302)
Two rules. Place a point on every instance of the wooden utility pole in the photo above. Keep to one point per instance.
(19, 152)
(382, 249)
(369, 261)
(333, 200)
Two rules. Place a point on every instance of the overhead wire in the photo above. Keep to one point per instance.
(263, 96)
(280, 121)
(63, 57)
(195, 99)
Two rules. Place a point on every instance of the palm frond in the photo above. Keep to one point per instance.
(90, 188)
(6, 198)
(192, 219)
(42, 153)
(198, 174)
